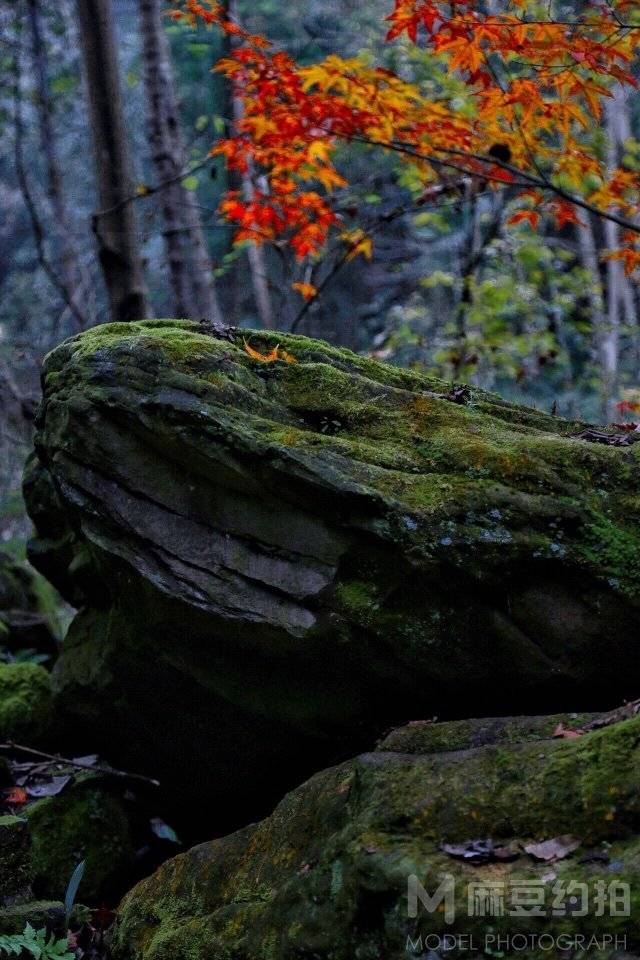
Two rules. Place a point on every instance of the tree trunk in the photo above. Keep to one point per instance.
(255, 253)
(114, 223)
(617, 132)
(189, 264)
(605, 346)
(67, 256)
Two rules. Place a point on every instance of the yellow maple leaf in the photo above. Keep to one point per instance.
(275, 354)
(359, 243)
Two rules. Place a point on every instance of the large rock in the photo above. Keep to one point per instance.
(275, 559)
(326, 876)
(87, 821)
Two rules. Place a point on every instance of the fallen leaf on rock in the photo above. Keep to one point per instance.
(551, 850)
(88, 761)
(271, 357)
(50, 789)
(163, 830)
(562, 731)
(481, 851)
(505, 854)
(473, 851)
(15, 796)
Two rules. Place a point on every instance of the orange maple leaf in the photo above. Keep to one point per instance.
(275, 354)
(306, 290)
(15, 796)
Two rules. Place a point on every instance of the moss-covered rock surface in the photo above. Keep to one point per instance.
(326, 875)
(26, 704)
(274, 560)
(85, 823)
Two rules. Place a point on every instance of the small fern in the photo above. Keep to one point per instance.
(36, 943)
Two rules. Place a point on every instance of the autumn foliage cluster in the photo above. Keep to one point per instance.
(535, 79)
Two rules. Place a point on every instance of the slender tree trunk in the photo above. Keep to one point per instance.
(617, 131)
(605, 346)
(477, 242)
(255, 253)
(69, 264)
(189, 264)
(114, 223)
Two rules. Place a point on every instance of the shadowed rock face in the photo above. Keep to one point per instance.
(326, 875)
(26, 608)
(274, 560)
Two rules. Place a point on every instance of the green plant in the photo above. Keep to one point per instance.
(72, 889)
(28, 655)
(38, 943)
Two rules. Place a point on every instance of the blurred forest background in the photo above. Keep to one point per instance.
(539, 317)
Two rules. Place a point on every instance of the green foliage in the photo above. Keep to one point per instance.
(27, 655)
(37, 943)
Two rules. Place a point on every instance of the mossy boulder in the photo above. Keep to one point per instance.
(275, 561)
(26, 703)
(85, 822)
(40, 848)
(15, 860)
(326, 875)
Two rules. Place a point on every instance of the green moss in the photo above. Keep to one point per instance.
(336, 854)
(614, 549)
(15, 858)
(429, 738)
(26, 712)
(357, 598)
(83, 823)
(387, 433)
(39, 913)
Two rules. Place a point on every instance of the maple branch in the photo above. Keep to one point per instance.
(530, 180)
(383, 220)
(150, 191)
(337, 267)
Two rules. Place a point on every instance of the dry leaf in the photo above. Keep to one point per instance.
(271, 357)
(552, 850)
(566, 733)
(15, 796)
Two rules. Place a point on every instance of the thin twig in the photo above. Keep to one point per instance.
(541, 182)
(150, 191)
(56, 758)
